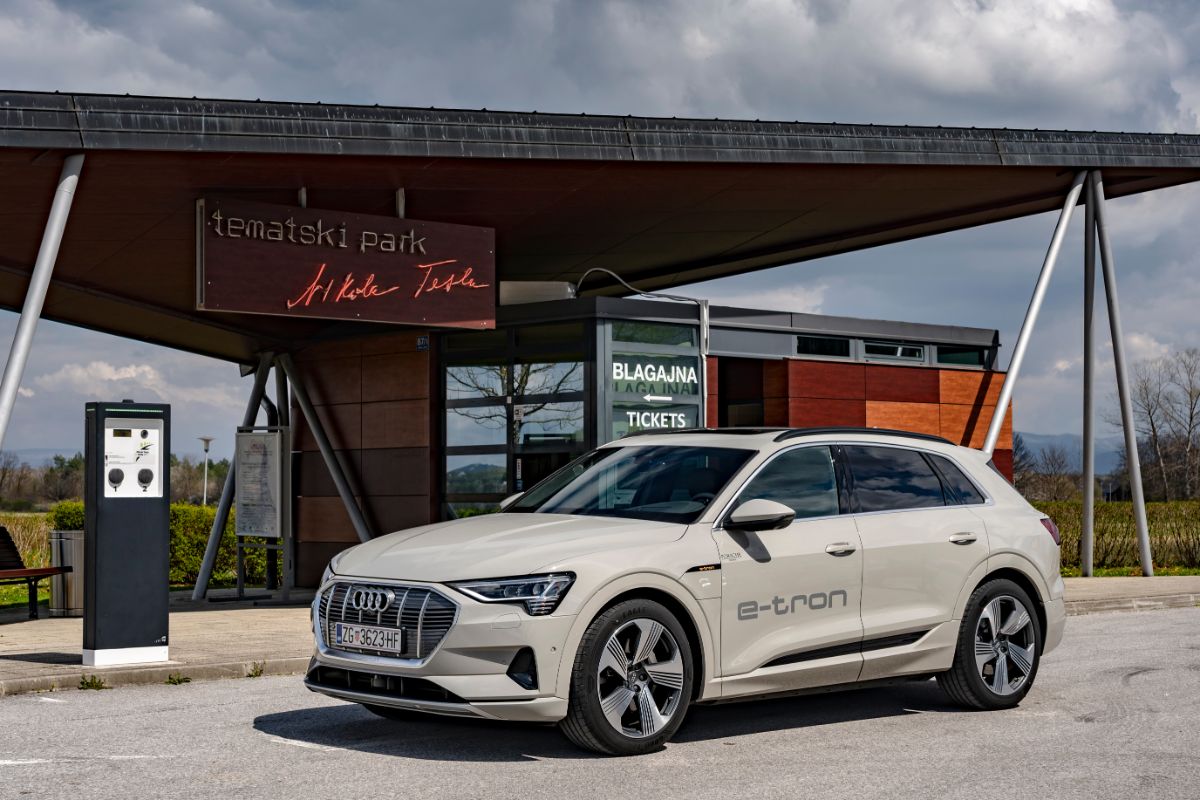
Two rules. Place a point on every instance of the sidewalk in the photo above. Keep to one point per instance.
(227, 640)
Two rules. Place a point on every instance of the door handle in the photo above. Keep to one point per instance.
(840, 549)
(963, 538)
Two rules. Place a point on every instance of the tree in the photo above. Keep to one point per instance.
(1024, 465)
(8, 466)
(63, 478)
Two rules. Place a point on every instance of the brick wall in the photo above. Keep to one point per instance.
(373, 397)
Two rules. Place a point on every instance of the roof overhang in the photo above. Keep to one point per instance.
(661, 201)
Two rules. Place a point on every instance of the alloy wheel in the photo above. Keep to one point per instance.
(1005, 645)
(640, 678)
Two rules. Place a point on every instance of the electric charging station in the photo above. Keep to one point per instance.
(126, 533)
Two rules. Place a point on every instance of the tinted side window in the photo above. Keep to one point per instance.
(803, 479)
(957, 481)
(891, 478)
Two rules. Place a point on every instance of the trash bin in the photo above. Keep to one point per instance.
(66, 591)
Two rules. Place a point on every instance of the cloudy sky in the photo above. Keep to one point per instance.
(1079, 64)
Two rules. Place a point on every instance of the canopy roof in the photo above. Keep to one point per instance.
(661, 201)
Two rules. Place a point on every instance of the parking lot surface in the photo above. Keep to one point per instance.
(1115, 713)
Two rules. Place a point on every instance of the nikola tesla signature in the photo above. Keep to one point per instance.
(434, 278)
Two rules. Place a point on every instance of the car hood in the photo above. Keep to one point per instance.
(496, 545)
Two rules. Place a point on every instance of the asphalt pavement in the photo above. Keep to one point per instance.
(1115, 713)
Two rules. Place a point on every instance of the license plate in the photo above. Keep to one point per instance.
(368, 637)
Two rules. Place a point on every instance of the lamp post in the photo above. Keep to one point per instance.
(206, 441)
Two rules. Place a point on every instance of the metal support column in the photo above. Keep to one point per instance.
(39, 283)
(327, 451)
(283, 403)
(1089, 363)
(1031, 315)
(1118, 344)
(226, 502)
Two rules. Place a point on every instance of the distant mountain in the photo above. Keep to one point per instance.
(1108, 448)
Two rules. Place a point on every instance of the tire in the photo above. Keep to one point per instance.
(397, 714)
(994, 669)
(634, 657)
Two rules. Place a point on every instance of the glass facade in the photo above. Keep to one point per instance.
(523, 401)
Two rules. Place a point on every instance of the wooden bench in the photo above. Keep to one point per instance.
(13, 571)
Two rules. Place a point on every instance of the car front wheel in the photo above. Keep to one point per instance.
(998, 648)
(632, 680)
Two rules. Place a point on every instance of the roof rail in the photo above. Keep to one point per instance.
(796, 432)
(735, 431)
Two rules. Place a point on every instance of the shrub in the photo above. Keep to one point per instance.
(1174, 533)
(189, 529)
(67, 516)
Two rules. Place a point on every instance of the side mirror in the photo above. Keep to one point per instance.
(508, 501)
(760, 515)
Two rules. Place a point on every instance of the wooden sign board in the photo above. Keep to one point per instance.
(257, 258)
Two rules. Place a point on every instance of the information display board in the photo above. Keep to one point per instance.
(259, 484)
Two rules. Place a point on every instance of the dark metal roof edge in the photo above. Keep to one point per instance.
(603, 307)
(123, 122)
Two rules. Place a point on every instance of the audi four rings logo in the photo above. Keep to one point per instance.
(373, 600)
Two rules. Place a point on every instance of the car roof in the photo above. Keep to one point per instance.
(768, 438)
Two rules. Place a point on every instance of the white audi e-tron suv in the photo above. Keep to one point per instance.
(668, 569)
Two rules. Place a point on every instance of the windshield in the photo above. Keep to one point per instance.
(663, 483)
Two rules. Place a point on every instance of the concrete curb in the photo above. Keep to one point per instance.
(135, 676)
(1076, 607)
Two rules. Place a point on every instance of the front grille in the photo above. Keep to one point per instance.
(382, 685)
(424, 615)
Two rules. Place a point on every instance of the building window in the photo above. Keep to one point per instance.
(825, 346)
(659, 333)
(962, 356)
(894, 351)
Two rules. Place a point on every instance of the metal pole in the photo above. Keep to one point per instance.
(704, 326)
(283, 403)
(1089, 362)
(1118, 344)
(226, 501)
(327, 451)
(204, 500)
(39, 283)
(1031, 314)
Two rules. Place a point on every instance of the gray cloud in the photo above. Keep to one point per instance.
(1084, 64)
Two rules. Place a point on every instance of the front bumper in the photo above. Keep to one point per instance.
(1056, 623)
(465, 675)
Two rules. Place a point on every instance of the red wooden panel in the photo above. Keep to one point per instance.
(396, 376)
(396, 423)
(804, 412)
(342, 423)
(903, 384)
(967, 425)
(970, 387)
(915, 417)
(775, 411)
(826, 379)
(775, 379)
(323, 519)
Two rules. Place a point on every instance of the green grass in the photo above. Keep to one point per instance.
(92, 682)
(1129, 572)
(176, 679)
(14, 596)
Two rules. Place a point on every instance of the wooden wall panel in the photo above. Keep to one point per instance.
(968, 425)
(1003, 459)
(826, 379)
(970, 387)
(915, 417)
(712, 386)
(373, 396)
(807, 412)
(902, 384)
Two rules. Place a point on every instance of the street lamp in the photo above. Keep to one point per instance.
(206, 441)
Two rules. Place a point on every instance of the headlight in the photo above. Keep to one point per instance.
(540, 594)
(331, 569)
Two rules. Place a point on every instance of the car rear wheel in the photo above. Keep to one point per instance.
(998, 651)
(632, 680)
